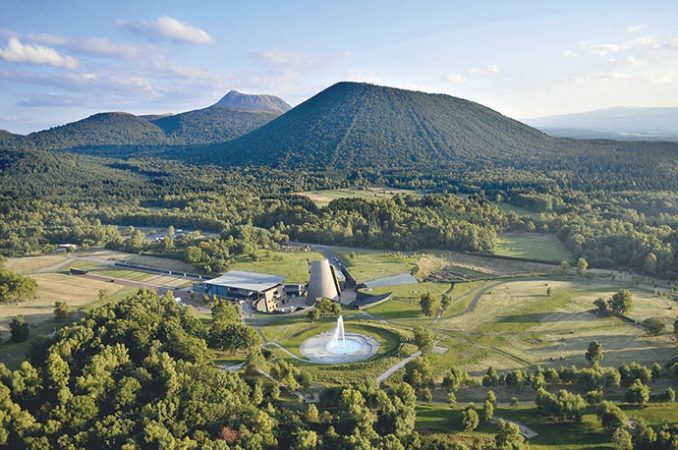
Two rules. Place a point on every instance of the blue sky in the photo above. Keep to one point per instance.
(64, 60)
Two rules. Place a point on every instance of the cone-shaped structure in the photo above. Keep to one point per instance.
(323, 282)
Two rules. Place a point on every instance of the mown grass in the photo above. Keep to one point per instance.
(540, 246)
(325, 196)
(366, 265)
(292, 265)
(438, 417)
(404, 307)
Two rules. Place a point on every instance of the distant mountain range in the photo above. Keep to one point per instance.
(234, 115)
(346, 126)
(626, 123)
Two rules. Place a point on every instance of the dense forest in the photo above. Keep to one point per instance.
(50, 198)
(136, 374)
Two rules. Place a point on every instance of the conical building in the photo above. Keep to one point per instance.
(323, 282)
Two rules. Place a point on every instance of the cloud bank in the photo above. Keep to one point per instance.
(36, 54)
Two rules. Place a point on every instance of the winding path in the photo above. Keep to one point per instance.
(397, 366)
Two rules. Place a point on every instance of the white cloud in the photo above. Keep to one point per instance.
(166, 27)
(635, 28)
(646, 43)
(454, 77)
(97, 46)
(36, 54)
(488, 70)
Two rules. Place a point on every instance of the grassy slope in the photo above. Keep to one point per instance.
(545, 247)
(324, 197)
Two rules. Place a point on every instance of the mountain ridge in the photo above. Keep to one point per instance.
(621, 122)
(351, 124)
(220, 122)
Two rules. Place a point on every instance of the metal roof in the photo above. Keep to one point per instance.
(250, 281)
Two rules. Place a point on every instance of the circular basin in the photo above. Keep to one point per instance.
(322, 348)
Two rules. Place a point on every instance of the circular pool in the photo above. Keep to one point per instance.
(324, 349)
(347, 346)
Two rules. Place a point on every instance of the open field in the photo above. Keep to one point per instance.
(520, 320)
(366, 265)
(33, 264)
(75, 291)
(521, 212)
(324, 197)
(404, 303)
(143, 260)
(513, 323)
(144, 277)
(589, 434)
(293, 265)
(541, 246)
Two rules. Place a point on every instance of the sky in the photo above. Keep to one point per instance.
(63, 60)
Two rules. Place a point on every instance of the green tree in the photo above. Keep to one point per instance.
(602, 306)
(15, 287)
(594, 353)
(565, 267)
(312, 414)
(621, 302)
(469, 418)
(305, 440)
(582, 266)
(612, 417)
(62, 311)
(653, 325)
(509, 437)
(423, 339)
(488, 410)
(429, 304)
(314, 315)
(622, 439)
(637, 393)
(418, 373)
(19, 329)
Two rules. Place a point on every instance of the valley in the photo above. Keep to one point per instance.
(475, 257)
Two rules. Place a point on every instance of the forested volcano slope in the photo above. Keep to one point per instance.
(356, 124)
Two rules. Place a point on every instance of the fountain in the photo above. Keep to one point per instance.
(338, 346)
(339, 333)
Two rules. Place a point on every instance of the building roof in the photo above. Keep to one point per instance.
(250, 281)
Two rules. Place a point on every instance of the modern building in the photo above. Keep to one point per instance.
(265, 291)
(323, 282)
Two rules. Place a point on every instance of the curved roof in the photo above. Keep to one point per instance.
(250, 281)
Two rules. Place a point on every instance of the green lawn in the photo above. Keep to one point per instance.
(654, 413)
(404, 303)
(324, 197)
(437, 417)
(293, 265)
(366, 265)
(546, 247)
(521, 212)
